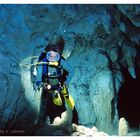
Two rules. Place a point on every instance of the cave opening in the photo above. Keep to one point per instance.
(128, 100)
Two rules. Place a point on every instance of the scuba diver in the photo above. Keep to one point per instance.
(53, 75)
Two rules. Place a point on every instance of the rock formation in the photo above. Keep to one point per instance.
(101, 41)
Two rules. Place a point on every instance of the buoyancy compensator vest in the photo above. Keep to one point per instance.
(52, 71)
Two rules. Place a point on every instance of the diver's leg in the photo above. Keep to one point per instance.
(43, 107)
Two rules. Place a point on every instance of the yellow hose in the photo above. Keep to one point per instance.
(37, 63)
(34, 64)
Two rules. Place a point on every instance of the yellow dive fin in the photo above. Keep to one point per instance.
(68, 98)
(70, 102)
(57, 99)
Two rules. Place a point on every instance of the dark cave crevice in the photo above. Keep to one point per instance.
(128, 99)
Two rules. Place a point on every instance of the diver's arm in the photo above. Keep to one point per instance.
(39, 72)
(69, 69)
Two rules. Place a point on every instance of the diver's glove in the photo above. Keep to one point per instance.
(38, 85)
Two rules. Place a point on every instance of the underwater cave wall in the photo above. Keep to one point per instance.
(94, 35)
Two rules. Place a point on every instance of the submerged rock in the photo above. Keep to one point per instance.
(85, 131)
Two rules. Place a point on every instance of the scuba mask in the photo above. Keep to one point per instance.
(53, 56)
